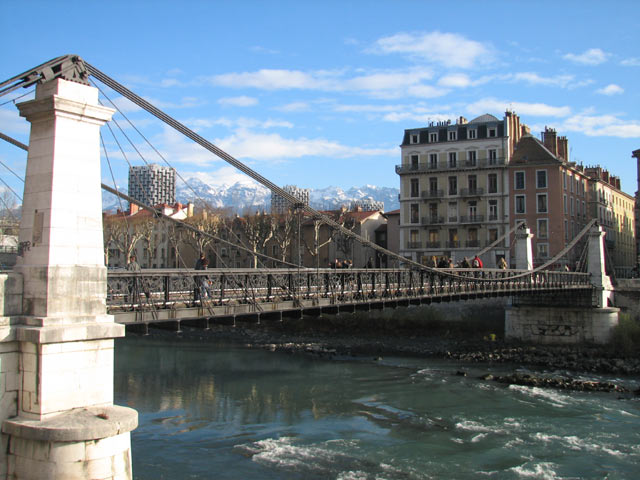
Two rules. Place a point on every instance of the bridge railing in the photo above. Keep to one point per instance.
(178, 288)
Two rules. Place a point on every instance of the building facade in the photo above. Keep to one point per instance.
(454, 187)
(615, 212)
(280, 205)
(152, 184)
(549, 194)
(367, 205)
(636, 154)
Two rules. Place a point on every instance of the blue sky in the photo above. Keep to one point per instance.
(319, 93)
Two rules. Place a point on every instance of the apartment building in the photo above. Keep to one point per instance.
(454, 187)
(614, 210)
(636, 154)
(280, 205)
(153, 184)
(549, 194)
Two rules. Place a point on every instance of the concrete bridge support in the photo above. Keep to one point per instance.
(57, 412)
(570, 324)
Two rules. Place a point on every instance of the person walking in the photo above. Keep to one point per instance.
(134, 288)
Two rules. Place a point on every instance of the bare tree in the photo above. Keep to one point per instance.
(205, 224)
(257, 229)
(285, 227)
(123, 232)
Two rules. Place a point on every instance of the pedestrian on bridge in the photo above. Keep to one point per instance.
(502, 263)
(476, 262)
(133, 289)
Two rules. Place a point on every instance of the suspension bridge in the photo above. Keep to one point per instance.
(182, 294)
(60, 310)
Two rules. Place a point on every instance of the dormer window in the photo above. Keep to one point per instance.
(413, 138)
(492, 132)
(472, 134)
(433, 137)
(453, 135)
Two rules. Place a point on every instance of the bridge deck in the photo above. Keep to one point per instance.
(154, 296)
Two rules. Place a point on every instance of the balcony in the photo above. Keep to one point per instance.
(471, 192)
(432, 220)
(459, 165)
(433, 244)
(471, 218)
(493, 218)
(432, 193)
(453, 219)
(414, 244)
(473, 243)
(453, 244)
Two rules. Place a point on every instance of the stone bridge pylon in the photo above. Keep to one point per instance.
(57, 343)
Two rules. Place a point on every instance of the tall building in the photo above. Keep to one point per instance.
(280, 205)
(636, 154)
(549, 194)
(614, 210)
(367, 205)
(454, 187)
(153, 184)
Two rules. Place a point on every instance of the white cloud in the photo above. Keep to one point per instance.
(457, 80)
(273, 147)
(593, 56)
(295, 107)
(447, 49)
(242, 122)
(241, 101)
(269, 79)
(601, 126)
(630, 62)
(489, 105)
(611, 89)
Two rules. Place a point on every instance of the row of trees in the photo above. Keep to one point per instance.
(289, 237)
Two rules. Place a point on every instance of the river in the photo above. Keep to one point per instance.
(220, 411)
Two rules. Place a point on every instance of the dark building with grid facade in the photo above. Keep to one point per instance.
(153, 184)
(280, 205)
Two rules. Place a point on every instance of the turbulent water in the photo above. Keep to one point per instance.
(214, 411)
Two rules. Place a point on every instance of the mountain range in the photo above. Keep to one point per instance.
(248, 195)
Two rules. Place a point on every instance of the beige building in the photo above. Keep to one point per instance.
(454, 187)
(615, 212)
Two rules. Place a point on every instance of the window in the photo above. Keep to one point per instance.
(433, 137)
(415, 159)
(520, 204)
(433, 160)
(492, 132)
(473, 209)
(564, 179)
(415, 187)
(572, 203)
(564, 204)
(493, 183)
(493, 209)
(543, 228)
(453, 185)
(453, 212)
(472, 158)
(414, 239)
(571, 183)
(542, 203)
(493, 235)
(541, 179)
(566, 230)
(519, 181)
(434, 238)
(433, 185)
(542, 250)
(413, 138)
(453, 237)
(472, 134)
(453, 159)
(415, 213)
(453, 135)
(492, 154)
(433, 212)
(473, 183)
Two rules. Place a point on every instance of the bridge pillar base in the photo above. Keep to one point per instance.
(560, 325)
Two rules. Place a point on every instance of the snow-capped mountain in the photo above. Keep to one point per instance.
(248, 195)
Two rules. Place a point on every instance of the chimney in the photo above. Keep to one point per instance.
(189, 209)
(550, 140)
(133, 208)
(563, 148)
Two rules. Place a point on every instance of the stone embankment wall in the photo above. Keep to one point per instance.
(627, 296)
